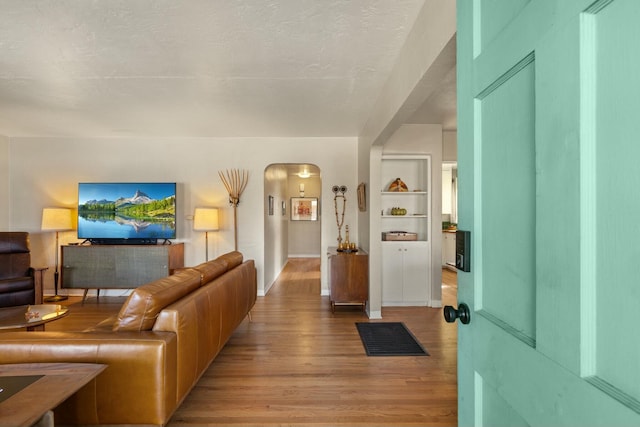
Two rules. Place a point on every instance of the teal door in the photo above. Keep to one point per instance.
(549, 186)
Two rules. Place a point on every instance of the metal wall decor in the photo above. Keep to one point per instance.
(339, 192)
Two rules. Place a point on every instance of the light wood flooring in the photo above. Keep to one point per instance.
(298, 364)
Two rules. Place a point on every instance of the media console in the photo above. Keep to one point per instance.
(118, 266)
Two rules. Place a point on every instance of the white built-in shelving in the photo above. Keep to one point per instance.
(406, 265)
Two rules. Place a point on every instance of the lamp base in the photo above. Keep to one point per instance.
(55, 298)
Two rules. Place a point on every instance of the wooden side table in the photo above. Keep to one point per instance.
(52, 384)
(349, 275)
(38, 281)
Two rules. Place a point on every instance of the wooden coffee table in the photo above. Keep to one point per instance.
(33, 317)
(53, 384)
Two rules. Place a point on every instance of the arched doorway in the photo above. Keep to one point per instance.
(290, 234)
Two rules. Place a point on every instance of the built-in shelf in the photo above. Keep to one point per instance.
(404, 216)
(404, 193)
(406, 276)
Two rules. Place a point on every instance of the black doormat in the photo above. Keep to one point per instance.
(389, 339)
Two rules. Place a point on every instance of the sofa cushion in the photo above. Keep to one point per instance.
(211, 269)
(233, 259)
(140, 310)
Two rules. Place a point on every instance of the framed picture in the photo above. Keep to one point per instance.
(304, 209)
(270, 205)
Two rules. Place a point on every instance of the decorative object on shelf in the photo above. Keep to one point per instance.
(398, 186)
(362, 197)
(347, 246)
(349, 250)
(397, 211)
(56, 219)
(339, 192)
(235, 182)
(304, 209)
(206, 219)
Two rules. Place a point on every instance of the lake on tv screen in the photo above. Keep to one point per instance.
(114, 227)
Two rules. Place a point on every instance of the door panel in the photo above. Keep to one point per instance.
(494, 16)
(507, 142)
(392, 272)
(416, 276)
(617, 152)
(548, 113)
(496, 411)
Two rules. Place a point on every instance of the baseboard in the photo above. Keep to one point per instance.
(375, 314)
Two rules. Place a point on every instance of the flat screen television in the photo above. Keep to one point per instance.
(126, 212)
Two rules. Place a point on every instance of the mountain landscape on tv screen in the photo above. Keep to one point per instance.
(135, 216)
(137, 206)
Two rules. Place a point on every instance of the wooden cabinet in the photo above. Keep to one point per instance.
(406, 278)
(349, 276)
(118, 266)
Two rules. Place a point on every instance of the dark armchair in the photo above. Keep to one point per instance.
(20, 284)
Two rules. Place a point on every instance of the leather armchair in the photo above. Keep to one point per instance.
(20, 284)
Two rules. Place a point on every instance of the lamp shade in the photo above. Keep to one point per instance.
(205, 219)
(58, 219)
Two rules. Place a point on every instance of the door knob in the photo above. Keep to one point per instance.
(463, 313)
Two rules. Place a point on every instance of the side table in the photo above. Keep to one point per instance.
(52, 384)
(349, 276)
(33, 317)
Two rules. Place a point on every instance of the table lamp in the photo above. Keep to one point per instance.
(56, 219)
(206, 219)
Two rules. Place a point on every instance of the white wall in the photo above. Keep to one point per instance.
(276, 236)
(449, 146)
(46, 171)
(304, 236)
(4, 183)
(427, 57)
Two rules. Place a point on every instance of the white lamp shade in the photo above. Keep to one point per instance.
(58, 219)
(205, 219)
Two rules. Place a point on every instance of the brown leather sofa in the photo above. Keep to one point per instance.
(157, 347)
(19, 283)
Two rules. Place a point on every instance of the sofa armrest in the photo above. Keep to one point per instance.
(38, 282)
(137, 387)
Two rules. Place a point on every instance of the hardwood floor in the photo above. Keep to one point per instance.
(298, 364)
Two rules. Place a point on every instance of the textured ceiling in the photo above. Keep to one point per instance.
(196, 68)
